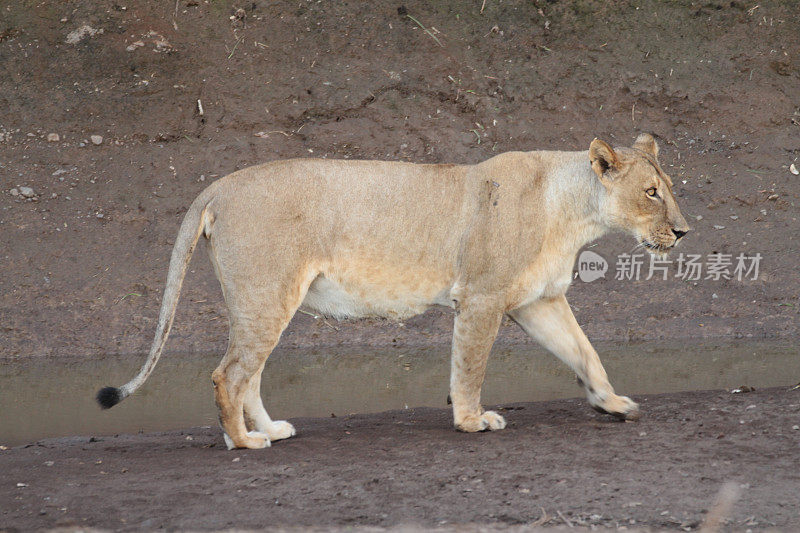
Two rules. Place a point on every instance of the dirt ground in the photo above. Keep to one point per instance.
(557, 462)
(116, 126)
(85, 260)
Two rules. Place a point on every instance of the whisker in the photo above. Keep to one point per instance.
(639, 245)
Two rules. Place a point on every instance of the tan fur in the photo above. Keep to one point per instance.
(390, 239)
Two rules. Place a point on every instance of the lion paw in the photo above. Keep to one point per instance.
(281, 429)
(619, 406)
(488, 420)
(253, 440)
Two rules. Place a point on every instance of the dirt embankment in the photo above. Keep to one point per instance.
(84, 259)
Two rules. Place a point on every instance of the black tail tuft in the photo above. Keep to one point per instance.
(109, 397)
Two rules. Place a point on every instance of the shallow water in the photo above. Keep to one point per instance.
(55, 396)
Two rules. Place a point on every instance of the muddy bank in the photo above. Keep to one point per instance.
(85, 256)
(410, 467)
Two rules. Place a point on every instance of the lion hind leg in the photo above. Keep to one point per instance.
(257, 320)
(256, 417)
(230, 381)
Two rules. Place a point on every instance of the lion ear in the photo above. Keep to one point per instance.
(603, 158)
(647, 144)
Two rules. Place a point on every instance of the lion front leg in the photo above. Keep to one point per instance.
(475, 329)
(551, 323)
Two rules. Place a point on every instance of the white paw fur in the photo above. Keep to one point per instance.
(486, 420)
(252, 434)
(493, 421)
(280, 429)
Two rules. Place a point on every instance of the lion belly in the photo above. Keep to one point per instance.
(348, 297)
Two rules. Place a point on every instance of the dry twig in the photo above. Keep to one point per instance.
(565, 519)
(426, 30)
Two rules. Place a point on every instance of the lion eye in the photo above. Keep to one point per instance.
(651, 192)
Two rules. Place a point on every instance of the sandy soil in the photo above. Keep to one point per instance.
(410, 467)
(85, 260)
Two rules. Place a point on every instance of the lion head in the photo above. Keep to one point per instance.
(640, 199)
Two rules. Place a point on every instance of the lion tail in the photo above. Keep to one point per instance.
(195, 223)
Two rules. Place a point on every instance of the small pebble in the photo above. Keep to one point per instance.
(53, 137)
(96, 139)
(27, 192)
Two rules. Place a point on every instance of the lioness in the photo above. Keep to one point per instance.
(389, 239)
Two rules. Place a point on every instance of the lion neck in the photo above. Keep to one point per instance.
(578, 202)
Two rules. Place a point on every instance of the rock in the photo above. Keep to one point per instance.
(793, 169)
(76, 35)
(53, 137)
(27, 192)
(14, 192)
(97, 139)
(717, 226)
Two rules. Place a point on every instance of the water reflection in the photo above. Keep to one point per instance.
(54, 397)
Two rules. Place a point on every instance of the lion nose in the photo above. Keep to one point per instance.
(678, 233)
